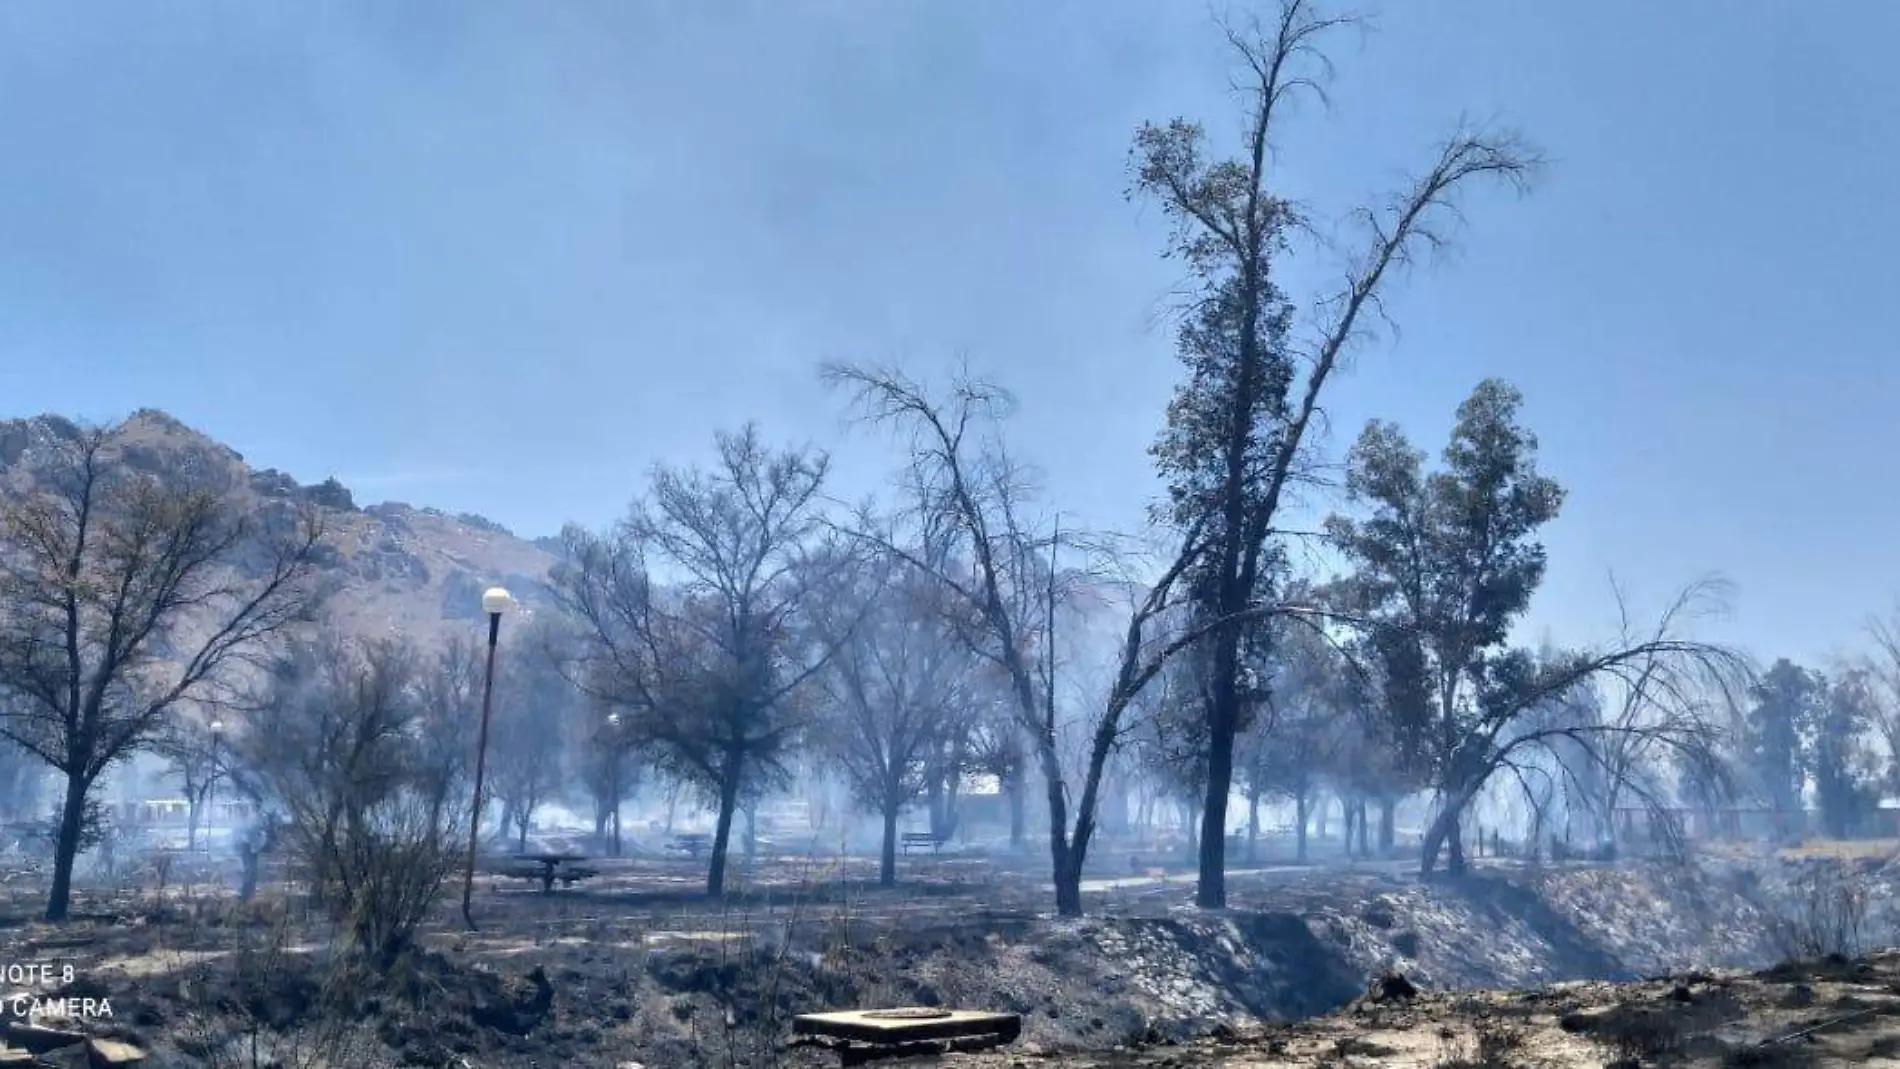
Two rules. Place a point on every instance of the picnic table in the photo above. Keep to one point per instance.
(692, 844)
(548, 867)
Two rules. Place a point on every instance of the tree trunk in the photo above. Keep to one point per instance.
(1253, 825)
(247, 886)
(1068, 878)
(66, 847)
(616, 822)
(1388, 825)
(1299, 828)
(722, 829)
(1018, 811)
(507, 820)
(1211, 880)
(1322, 810)
(252, 846)
(887, 856)
(521, 835)
(1610, 831)
(1444, 831)
(934, 804)
(1065, 862)
(751, 832)
(600, 821)
(1069, 889)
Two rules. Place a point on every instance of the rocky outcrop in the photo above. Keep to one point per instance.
(386, 568)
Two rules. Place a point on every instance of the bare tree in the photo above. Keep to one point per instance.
(957, 753)
(1533, 712)
(1884, 665)
(708, 672)
(612, 776)
(961, 479)
(532, 702)
(1168, 735)
(897, 687)
(451, 702)
(123, 594)
(1236, 431)
(1628, 758)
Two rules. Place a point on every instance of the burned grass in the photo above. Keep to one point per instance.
(643, 968)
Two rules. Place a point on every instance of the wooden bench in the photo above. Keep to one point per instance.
(920, 839)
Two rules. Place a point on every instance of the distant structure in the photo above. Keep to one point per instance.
(1740, 823)
(176, 812)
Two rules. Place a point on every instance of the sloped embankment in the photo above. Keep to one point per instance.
(1814, 1015)
(1307, 947)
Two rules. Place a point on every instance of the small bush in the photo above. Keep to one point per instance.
(1491, 1046)
(1825, 917)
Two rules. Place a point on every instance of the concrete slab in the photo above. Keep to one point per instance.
(909, 1024)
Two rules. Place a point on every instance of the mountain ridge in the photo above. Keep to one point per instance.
(389, 568)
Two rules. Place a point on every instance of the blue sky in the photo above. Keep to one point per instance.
(502, 257)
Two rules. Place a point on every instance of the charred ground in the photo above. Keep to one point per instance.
(644, 969)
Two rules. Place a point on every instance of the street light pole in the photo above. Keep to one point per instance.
(211, 781)
(613, 780)
(495, 601)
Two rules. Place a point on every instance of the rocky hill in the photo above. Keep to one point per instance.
(387, 568)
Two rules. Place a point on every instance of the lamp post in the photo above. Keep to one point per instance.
(613, 773)
(211, 781)
(495, 601)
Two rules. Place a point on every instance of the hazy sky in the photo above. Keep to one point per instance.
(503, 257)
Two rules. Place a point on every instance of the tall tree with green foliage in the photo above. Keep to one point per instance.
(1256, 368)
(1449, 559)
(1846, 774)
(1445, 563)
(1308, 722)
(1787, 703)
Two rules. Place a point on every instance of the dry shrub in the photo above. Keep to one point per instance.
(1641, 1038)
(1491, 1045)
(343, 748)
(383, 878)
(274, 1005)
(1825, 916)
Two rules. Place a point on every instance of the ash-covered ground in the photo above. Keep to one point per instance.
(637, 967)
(1808, 1015)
